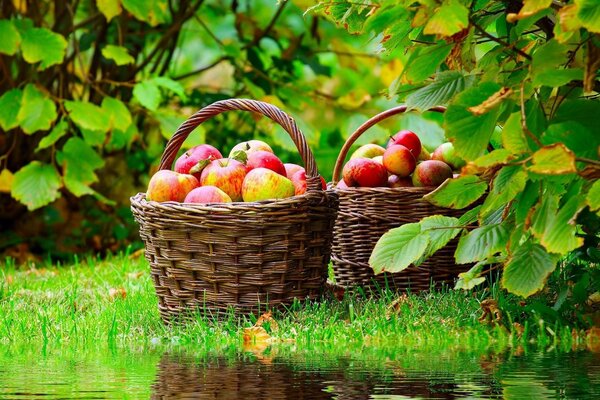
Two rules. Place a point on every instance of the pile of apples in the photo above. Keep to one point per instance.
(404, 163)
(251, 172)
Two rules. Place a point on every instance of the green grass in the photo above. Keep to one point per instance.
(72, 305)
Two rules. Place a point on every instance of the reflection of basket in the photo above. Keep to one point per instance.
(240, 255)
(365, 214)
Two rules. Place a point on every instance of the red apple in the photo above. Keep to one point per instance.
(191, 157)
(364, 172)
(408, 139)
(207, 194)
(264, 184)
(299, 181)
(369, 150)
(291, 169)
(264, 159)
(250, 146)
(166, 185)
(446, 153)
(398, 160)
(431, 173)
(226, 174)
(394, 181)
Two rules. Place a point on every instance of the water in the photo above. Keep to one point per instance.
(289, 373)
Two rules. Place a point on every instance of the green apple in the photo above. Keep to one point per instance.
(265, 184)
(368, 151)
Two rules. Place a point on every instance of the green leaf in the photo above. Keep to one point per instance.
(513, 137)
(495, 158)
(55, 134)
(10, 103)
(589, 14)
(41, 44)
(396, 34)
(471, 133)
(79, 161)
(452, 17)
(457, 193)
(555, 227)
(110, 8)
(468, 280)
(575, 136)
(447, 84)
(37, 113)
(549, 57)
(526, 200)
(88, 116)
(120, 117)
(118, 54)
(555, 159)
(526, 271)
(10, 38)
(148, 94)
(557, 77)
(593, 196)
(481, 243)
(441, 230)
(509, 182)
(398, 248)
(36, 185)
(424, 61)
(171, 85)
(470, 216)
(152, 11)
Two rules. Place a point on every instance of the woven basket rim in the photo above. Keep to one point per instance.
(382, 189)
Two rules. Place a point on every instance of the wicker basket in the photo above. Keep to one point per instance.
(365, 214)
(210, 258)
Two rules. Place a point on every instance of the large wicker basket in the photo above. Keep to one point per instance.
(245, 257)
(365, 214)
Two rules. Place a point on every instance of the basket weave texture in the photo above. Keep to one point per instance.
(211, 258)
(365, 214)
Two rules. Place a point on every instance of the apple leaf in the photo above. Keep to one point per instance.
(447, 84)
(10, 103)
(481, 243)
(36, 185)
(441, 230)
(41, 44)
(589, 14)
(398, 248)
(593, 196)
(79, 161)
(494, 158)
(7, 179)
(119, 54)
(555, 159)
(148, 94)
(10, 38)
(471, 133)
(120, 117)
(509, 182)
(171, 85)
(88, 116)
(152, 11)
(527, 269)
(424, 61)
(576, 137)
(37, 113)
(452, 17)
(55, 134)
(468, 280)
(110, 8)
(513, 137)
(196, 169)
(457, 193)
(240, 155)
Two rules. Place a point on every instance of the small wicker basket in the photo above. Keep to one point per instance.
(211, 258)
(365, 214)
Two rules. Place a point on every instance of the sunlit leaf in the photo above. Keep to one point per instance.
(41, 44)
(452, 17)
(457, 193)
(589, 14)
(88, 116)
(481, 243)
(118, 54)
(55, 134)
(79, 161)
(494, 158)
(10, 103)
(148, 94)
(7, 179)
(398, 248)
(36, 185)
(110, 8)
(509, 182)
(530, 7)
(574, 136)
(37, 112)
(441, 230)
(171, 85)
(527, 269)
(120, 117)
(593, 196)
(554, 225)
(555, 159)
(447, 84)
(513, 137)
(152, 11)
(10, 38)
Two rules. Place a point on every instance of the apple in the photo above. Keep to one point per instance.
(250, 146)
(394, 181)
(191, 157)
(408, 139)
(291, 169)
(379, 159)
(264, 184)
(431, 173)
(446, 153)
(368, 151)
(399, 160)
(341, 185)
(207, 194)
(424, 155)
(166, 185)
(226, 174)
(364, 172)
(299, 181)
(264, 159)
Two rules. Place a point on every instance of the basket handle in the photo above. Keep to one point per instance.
(361, 129)
(313, 181)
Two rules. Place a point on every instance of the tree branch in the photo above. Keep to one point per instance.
(501, 42)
